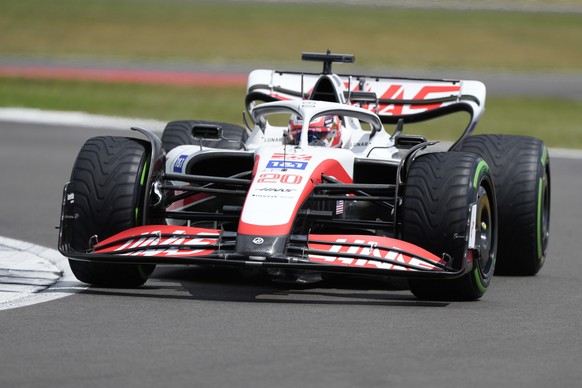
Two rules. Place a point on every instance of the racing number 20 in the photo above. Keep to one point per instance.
(290, 179)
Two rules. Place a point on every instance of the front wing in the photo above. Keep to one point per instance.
(349, 254)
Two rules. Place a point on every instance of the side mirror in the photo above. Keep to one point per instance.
(207, 132)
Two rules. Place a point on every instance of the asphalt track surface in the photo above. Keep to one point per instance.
(202, 328)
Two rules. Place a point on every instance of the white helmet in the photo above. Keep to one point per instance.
(323, 131)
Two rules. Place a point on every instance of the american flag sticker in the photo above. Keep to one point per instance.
(339, 207)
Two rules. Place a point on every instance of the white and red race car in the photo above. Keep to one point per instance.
(315, 185)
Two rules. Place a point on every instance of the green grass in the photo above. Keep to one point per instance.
(557, 122)
(130, 100)
(268, 34)
(274, 35)
(554, 121)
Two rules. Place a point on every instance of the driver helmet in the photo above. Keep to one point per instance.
(324, 131)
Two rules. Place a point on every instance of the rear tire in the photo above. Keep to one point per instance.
(439, 193)
(107, 180)
(521, 171)
(179, 133)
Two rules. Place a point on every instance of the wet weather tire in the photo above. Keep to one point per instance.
(107, 181)
(440, 191)
(521, 171)
(179, 133)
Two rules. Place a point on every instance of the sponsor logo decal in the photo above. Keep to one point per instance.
(408, 92)
(258, 240)
(179, 164)
(370, 249)
(292, 165)
(276, 190)
(148, 245)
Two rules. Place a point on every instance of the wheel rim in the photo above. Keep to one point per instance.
(486, 233)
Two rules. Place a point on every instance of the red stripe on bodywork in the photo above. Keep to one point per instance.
(182, 203)
(373, 247)
(155, 240)
(329, 167)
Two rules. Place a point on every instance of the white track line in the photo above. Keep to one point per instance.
(31, 274)
(38, 116)
(565, 153)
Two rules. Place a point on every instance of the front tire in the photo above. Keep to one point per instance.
(442, 189)
(107, 180)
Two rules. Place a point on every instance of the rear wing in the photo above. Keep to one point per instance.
(392, 99)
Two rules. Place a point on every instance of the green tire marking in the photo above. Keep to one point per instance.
(481, 166)
(543, 160)
(143, 173)
(544, 156)
(480, 285)
(141, 183)
(540, 188)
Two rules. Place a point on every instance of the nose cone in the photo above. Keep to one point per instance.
(254, 245)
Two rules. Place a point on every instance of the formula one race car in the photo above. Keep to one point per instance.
(315, 185)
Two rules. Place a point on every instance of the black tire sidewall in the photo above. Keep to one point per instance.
(440, 189)
(107, 180)
(518, 165)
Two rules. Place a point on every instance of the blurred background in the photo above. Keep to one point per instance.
(187, 59)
